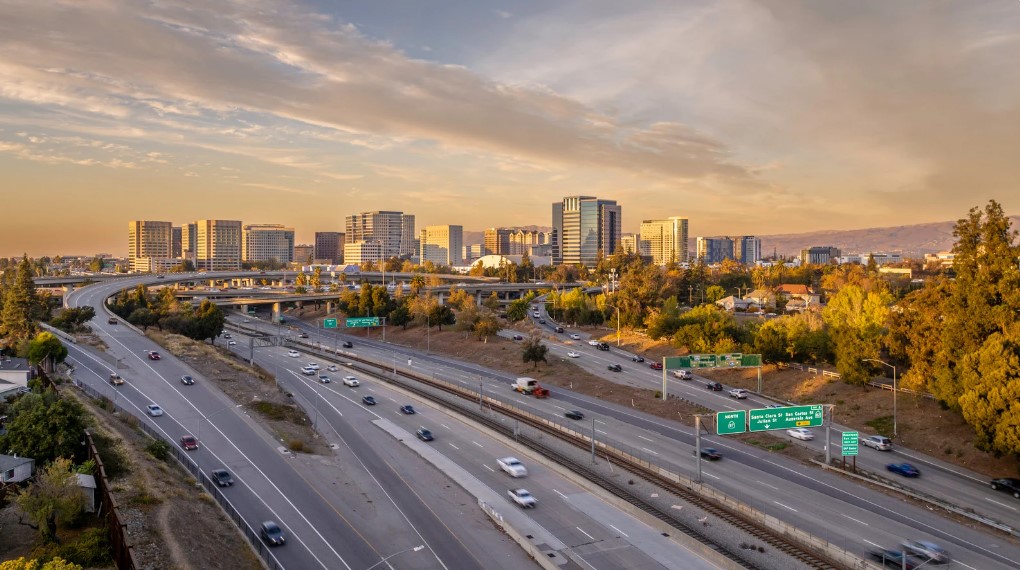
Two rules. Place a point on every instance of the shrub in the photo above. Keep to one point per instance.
(296, 445)
(91, 549)
(158, 449)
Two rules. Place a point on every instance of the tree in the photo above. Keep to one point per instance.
(441, 315)
(400, 316)
(143, 317)
(664, 321)
(45, 426)
(34, 564)
(857, 321)
(22, 306)
(990, 398)
(487, 325)
(491, 302)
(915, 332)
(44, 346)
(73, 319)
(460, 299)
(208, 322)
(714, 292)
(53, 498)
(517, 310)
(534, 350)
(417, 283)
(96, 265)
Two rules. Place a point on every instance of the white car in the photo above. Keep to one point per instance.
(293, 353)
(232, 343)
(523, 498)
(800, 433)
(324, 379)
(308, 371)
(351, 381)
(154, 410)
(593, 342)
(512, 466)
(573, 354)
(313, 365)
(738, 393)
(683, 374)
(332, 368)
(575, 336)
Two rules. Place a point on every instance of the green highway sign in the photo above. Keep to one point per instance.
(730, 360)
(750, 360)
(785, 418)
(329, 323)
(731, 422)
(849, 443)
(362, 322)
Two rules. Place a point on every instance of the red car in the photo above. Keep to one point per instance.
(153, 355)
(188, 442)
(655, 366)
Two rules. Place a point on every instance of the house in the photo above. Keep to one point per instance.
(761, 298)
(732, 303)
(14, 469)
(87, 484)
(796, 291)
(14, 375)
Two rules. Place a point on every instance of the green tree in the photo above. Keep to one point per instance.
(857, 321)
(316, 280)
(915, 332)
(713, 293)
(664, 321)
(990, 398)
(73, 319)
(417, 283)
(517, 310)
(441, 315)
(143, 317)
(96, 265)
(22, 307)
(772, 342)
(53, 498)
(45, 426)
(208, 322)
(35, 564)
(400, 316)
(491, 302)
(44, 346)
(534, 350)
(487, 325)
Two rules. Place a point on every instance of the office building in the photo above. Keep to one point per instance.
(819, 255)
(473, 251)
(362, 252)
(666, 239)
(189, 242)
(329, 247)
(394, 230)
(442, 245)
(497, 241)
(218, 245)
(714, 249)
(585, 227)
(747, 249)
(521, 241)
(267, 242)
(148, 241)
(304, 254)
(176, 237)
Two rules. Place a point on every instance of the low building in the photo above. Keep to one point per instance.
(761, 298)
(732, 303)
(87, 484)
(819, 255)
(14, 375)
(495, 261)
(14, 469)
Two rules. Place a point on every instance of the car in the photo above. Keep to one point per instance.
(313, 365)
(927, 549)
(602, 346)
(905, 469)
(323, 379)
(348, 344)
(222, 477)
(895, 559)
(302, 335)
(308, 371)
(738, 393)
(574, 415)
(1007, 484)
(800, 433)
(247, 321)
(683, 374)
(153, 355)
(775, 406)
(111, 321)
(226, 335)
(615, 367)
(368, 400)
(159, 276)
(879, 442)
(541, 321)
(424, 434)
(351, 381)
(637, 358)
(575, 336)
(293, 353)
(332, 368)
(407, 409)
(714, 386)
(187, 380)
(115, 379)
(512, 466)
(536, 314)
(593, 342)
(523, 498)
(573, 354)
(154, 410)
(518, 337)
(232, 343)
(272, 534)
(559, 329)
(188, 442)
(655, 366)
(711, 454)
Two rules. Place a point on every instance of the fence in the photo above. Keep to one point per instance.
(837, 376)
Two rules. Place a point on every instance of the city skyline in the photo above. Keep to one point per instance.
(746, 117)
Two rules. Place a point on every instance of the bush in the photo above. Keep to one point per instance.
(115, 463)
(296, 445)
(91, 549)
(158, 449)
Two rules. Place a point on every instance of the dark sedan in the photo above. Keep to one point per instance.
(187, 380)
(574, 415)
(424, 435)
(905, 469)
(655, 366)
(348, 344)
(1008, 484)
(714, 386)
(368, 400)
(407, 409)
(615, 367)
(222, 477)
(272, 533)
(711, 454)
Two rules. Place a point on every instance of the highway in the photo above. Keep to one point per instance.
(829, 506)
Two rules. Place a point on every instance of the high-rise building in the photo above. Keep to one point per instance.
(394, 230)
(150, 245)
(176, 237)
(218, 245)
(819, 255)
(363, 251)
(304, 253)
(583, 228)
(666, 239)
(715, 249)
(442, 245)
(473, 251)
(329, 247)
(747, 249)
(497, 241)
(189, 242)
(521, 241)
(267, 242)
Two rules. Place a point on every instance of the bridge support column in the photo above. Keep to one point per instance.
(244, 309)
(329, 307)
(212, 283)
(441, 299)
(478, 299)
(276, 312)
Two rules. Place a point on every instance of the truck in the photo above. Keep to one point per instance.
(115, 379)
(526, 385)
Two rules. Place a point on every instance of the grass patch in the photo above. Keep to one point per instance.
(883, 425)
(777, 446)
(279, 412)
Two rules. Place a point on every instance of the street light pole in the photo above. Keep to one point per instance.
(416, 549)
(895, 389)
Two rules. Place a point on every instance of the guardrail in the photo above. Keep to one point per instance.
(837, 376)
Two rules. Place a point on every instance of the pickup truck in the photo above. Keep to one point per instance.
(115, 379)
(522, 497)
(512, 466)
(683, 374)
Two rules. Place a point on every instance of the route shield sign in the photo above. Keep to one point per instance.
(850, 443)
(734, 421)
(362, 322)
(329, 323)
(786, 418)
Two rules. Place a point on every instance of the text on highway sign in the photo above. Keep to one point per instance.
(329, 323)
(362, 322)
(849, 443)
(785, 418)
(734, 421)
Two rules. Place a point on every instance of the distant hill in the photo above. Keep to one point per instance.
(910, 241)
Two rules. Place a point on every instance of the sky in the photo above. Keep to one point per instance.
(746, 116)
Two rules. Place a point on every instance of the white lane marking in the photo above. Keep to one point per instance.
(602, 432)
(476, 443)
(453, 446)
(559, 407)
(445, 426)
(489, 468)
(998, 503)
(967, 565)
(649, 451)
(871, 543)
(855, 520)
(371, 389)
(769, 486)
(646, 438)
(561, 494)
(600, 422)
(709, 475)
(785, 506)
(619, 531)
(590, 537)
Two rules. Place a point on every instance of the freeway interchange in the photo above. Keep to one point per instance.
(318, 518)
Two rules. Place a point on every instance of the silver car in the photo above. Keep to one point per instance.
(879, 442)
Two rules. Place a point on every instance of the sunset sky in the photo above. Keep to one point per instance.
(747, 116)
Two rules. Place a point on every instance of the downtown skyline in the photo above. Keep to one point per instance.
(744, 116)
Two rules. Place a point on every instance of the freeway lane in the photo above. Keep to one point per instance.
(831, 497)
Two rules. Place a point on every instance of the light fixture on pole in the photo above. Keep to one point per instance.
(416, 549)
(894, 390)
